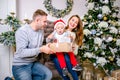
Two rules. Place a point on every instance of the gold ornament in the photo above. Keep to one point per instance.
(90, 17)
(104, 18)
(85, 20)
(114, 39)
(111, 58)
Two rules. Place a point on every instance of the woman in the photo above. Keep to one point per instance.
(75, 26)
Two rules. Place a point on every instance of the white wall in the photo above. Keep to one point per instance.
(24, 9)
(7, 6)
(6, 53)
(3, 9)
(6, 56)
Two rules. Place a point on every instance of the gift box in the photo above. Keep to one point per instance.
(87, 75)
(61, 47)
(109, 78)
(88, 65)
(99, 74)
(116, 74)
(88, 68)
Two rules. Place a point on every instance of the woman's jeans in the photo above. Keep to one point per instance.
(69, 67)
(32, 71)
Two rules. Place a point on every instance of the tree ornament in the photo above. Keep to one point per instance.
(114, 15)
(103, 53)
(90, 16)
(104, 18)
(93, 31)
(104, 1)
(85, 20)
(100, 16)
(114, 39)
(111, 58)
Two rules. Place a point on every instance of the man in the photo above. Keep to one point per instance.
(29, 40)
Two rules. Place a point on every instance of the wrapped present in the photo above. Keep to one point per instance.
(88, 68)
(87, 75)
(61, 47)
(99, 74)
(88, 65)
(109, 78)
(116, 74)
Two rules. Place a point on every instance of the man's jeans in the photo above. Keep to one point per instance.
(69, 67)
(32, 71)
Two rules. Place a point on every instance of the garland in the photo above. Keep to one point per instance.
(57, 12)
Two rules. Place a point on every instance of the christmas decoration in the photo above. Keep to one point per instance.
(8, 38)
(116, 74)
(57, 12)
(109, 78)
(101, 44)
(104, 18)
(99, 16)
(88, 68)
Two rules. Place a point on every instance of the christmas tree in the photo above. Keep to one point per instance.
(101, 44)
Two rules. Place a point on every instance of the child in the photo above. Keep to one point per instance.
(60, 35)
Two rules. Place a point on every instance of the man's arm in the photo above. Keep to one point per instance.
(22, 45)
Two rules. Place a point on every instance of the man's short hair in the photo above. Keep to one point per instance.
(39, 12)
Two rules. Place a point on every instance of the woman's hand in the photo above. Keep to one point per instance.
(73, 47)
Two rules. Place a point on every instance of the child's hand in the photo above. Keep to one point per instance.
(49, 39)
(71, 38)
(50, 36)
(55, 40)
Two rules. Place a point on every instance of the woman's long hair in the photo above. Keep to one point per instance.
(78, 30)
